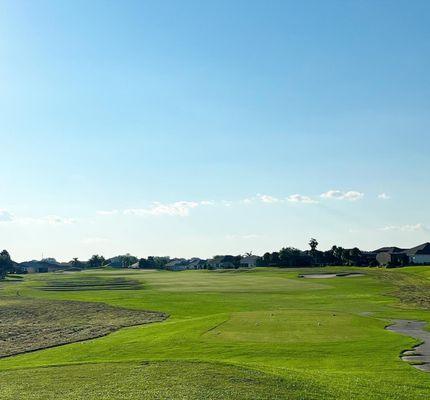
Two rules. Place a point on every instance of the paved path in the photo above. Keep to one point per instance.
(421, 353)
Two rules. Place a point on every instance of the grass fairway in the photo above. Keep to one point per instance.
(260, 334)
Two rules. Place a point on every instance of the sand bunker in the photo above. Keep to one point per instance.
(419, 357)
(325, 276)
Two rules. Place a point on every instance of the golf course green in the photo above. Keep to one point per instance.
(229, 334)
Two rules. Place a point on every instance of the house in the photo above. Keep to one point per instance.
(34, 266)
(419, 254)
(177, 264)
(196, 263)
(224, 262)
(116, 262)
(123, 261)
(392, 258)
(249, 261)
(398, 256)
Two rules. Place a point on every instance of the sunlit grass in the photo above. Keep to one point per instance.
(323, 338)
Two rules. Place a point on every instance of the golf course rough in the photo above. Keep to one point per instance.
(262, 334)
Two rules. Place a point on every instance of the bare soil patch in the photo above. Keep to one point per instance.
(30, 324)
(90, 283)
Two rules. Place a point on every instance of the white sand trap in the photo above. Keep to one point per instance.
(325, 276)
(421, 353)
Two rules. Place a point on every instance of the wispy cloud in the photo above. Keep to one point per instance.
(351, 195)
(298, 198)
(265, 198)
(10, 218)
(384, 196)
(48, 220)
(406, 228)
(183, 208)
(207, 203)
(179, 208)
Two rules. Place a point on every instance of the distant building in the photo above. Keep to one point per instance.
(249, 261)
(50, 260)
(398, 256)
(123, 261)
(196, 263)
(35, 266)
(394, 258)
(419, 254)
(177, 264)
(116, 262)
(221, 262)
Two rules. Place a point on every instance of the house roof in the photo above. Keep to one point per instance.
(195, 262)
(249, 258)
(392, 249)
(176, 261)
(421, 249)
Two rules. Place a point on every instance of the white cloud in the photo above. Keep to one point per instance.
(207, 203)
(406, 228)
(298, 198)
(351, 195)
(384, 196)
(49, 220)
(179, 208)
(265, 198)
(107, 212)
(6, 216)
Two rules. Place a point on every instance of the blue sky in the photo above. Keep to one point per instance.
(196, 128)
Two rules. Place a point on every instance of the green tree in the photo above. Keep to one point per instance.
(5, 264)
(289, 256)
(128, 260)
(266, 259)
(274, 258)
(75, 263)
(313, 243)
(96, 261)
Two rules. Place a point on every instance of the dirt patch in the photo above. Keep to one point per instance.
(408, 288)
(30, 324)
(419, 356)
(90, 283)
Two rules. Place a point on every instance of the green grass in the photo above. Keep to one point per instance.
(318, 338)
(155, 380)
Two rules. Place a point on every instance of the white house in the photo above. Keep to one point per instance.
(419, 254)
(249, 261)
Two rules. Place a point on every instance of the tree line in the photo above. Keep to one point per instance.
(336, 256)
(284, 258)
